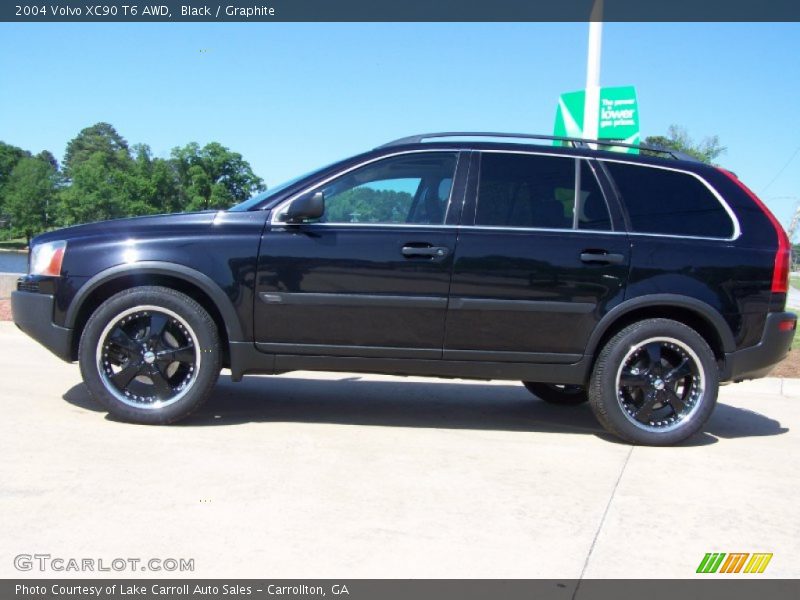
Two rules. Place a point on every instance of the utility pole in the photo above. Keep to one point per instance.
(795, 220)
(591, 106)
(795, 216)
(792, 225)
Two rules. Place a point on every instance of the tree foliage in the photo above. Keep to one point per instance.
(213, 176)
(31, 195)
(100, 138)
(98, 191)
(9, 157)
(161, 187)
(678, 139)
(103, 177)
(366, 205)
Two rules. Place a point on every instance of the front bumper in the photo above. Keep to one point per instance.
(757, 361)
(33, 314)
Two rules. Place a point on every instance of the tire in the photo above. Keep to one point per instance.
(150, 355)
(654, 383)
(561, 394)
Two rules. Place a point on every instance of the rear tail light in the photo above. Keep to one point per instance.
(780, 270)
(787, 325)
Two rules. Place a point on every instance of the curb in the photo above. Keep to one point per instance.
(8, 283)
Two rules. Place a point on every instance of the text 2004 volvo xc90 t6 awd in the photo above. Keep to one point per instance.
(639, 283)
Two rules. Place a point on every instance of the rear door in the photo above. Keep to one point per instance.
(370, 278)
(540, 260)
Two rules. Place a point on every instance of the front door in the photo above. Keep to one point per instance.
(371, 276)
(538, 263)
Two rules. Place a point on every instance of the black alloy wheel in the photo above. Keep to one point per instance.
(659, 383)
(655, 382)
(150, 355)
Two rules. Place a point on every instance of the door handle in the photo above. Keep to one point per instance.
(434, 252)
(602, 257)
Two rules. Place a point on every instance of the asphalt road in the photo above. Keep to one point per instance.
(342, 475)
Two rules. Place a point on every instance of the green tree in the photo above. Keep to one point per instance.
(107, 182)
(9, 157)
(156, 180)
(678, 138)
(99, 138)
(105, 178)
(366, 205)
(30, 196)
(213, 176)
(48, 157)
(197, 188)
(99, 190)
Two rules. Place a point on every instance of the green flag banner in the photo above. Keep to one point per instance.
(618, 116)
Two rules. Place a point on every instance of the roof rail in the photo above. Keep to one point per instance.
(578, 142)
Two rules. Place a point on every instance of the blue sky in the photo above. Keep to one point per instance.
(291, 97)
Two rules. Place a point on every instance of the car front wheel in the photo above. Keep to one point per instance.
(654, 383)
(150, 355)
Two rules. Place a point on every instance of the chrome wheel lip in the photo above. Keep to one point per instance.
(127, 400)
(698, 392)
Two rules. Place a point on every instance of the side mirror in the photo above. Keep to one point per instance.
(308, 206)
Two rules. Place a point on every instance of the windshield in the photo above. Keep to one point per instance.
(259, 198)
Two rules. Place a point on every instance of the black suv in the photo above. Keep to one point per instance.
(638, 282)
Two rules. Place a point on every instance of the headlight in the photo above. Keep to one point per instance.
(46, 258)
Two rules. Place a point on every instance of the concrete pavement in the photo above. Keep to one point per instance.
(342, 475)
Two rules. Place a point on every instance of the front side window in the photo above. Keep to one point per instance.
(412, 188)
(669, 202)
(535, 191)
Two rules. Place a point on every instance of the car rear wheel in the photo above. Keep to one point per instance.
(150, 355)
(558, 393)
(655, 383)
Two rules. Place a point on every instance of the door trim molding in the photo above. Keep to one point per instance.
(521, 305)
(354, 300)
(351, 351)
(510, 356)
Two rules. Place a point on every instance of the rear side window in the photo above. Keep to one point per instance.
(524, 190)
(669, 202)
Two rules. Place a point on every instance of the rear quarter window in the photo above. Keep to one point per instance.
(669, 202)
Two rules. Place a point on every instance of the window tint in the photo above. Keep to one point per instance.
(521, 190)
(669, 202)
(413, 188)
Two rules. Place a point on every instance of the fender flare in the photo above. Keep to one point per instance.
(187, 274)
(700, 308)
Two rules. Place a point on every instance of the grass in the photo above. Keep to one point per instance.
(794, 281)
(15, 244)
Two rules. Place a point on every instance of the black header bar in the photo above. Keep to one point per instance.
(395, 10)
(397, 589)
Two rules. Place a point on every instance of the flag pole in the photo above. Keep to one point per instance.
(591, 107)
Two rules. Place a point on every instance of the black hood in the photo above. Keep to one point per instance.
(131, 226)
